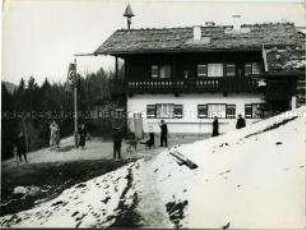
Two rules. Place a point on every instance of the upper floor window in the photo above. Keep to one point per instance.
(251, 68)
(215, 70)
(160, 71)
(230, 70)
(201, 70)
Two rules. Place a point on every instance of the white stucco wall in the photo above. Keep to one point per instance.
(190, 123)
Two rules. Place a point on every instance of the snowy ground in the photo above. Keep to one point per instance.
(253, 178)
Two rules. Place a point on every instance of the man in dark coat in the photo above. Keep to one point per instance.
(117, 138)
(82, 133)
(21, 147)
(163, 134)
(215, 124)
(240, 122)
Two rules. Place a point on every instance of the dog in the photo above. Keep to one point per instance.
(150, 142)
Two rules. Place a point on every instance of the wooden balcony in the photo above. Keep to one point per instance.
(203, 85)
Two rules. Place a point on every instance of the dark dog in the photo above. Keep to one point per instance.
(150, 142)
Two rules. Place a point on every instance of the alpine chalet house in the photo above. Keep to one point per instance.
(186, 76)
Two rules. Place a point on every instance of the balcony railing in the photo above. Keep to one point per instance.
(203, 85)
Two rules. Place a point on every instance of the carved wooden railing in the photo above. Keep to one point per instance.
(199, 85)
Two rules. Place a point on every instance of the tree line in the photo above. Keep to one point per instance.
(29, 96)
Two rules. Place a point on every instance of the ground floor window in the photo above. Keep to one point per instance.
(253, 110)
(164, 111)
(219, 110)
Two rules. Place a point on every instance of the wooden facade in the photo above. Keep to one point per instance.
(184, 77)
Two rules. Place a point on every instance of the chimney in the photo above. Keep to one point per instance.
(197, 33)
(210, 23)
(236, 22)
(128, 14)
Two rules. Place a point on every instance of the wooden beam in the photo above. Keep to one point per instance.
(116, 68)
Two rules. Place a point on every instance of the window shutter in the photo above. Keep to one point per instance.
(154, 71)
(248, 111)
(230, 70)
(202, 111)
(247, 69)
(178, 111)
(230, 111)
(201, 70)
(151, 111)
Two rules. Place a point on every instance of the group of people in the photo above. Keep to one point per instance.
(20, 147)
(55, 135)
(117, 139)
(239, 124)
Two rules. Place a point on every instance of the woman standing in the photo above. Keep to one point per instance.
(53, 133)
(215, 124)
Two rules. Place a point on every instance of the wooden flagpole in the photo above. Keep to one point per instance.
(76, 135)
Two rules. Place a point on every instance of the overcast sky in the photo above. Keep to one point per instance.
(39, 37)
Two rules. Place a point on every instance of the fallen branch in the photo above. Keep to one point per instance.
(182, 160)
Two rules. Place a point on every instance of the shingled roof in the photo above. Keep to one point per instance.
(214, 38)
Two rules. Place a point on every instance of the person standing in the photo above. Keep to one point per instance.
(215, 125)
(58, 136)
(163, 134)
(21, 147)
(54, 134)
(82, 133)
(240, 122)
(117, 138)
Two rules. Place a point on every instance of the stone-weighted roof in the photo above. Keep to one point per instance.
(214, 38)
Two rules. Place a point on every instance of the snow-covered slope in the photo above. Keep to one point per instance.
(251, 178)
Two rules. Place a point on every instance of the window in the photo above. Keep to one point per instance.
(216, 110)
(255, 68)
(230, 111)
(162, 71)
(164, 111)
(202, 111)
(151, 111)
(165, 71)
(219, 110)
(253, 111)
(251, 68)
(215, 70)
(154, 71)
(230, 70)
(178, 111)
(201, 70)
